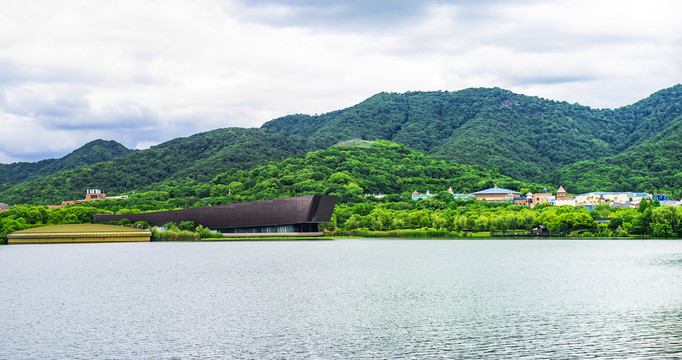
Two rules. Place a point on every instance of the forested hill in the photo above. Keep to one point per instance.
(654, 166)
(524, 137)
(191, 160)
(381, 167)
(91, 153)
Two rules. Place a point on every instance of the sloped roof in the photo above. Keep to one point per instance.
(4, 206)
(79, 228)
(495, 190)
(561, 189)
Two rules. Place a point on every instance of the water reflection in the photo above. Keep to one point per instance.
(343, 299)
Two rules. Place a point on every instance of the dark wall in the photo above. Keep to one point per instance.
(295, 210)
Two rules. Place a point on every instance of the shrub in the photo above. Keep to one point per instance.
(187, 225)
(124, 222)
(205, 232)
(174, 235)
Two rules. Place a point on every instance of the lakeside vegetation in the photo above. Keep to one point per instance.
(468, 140)
(353, 173)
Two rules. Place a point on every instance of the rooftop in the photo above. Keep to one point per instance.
(75, 233)
(629, 194)
(495, 190)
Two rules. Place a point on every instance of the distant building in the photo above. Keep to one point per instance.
(621, 204)
(545, 197)
(92, 195)
(561, 195)
(496, 194)
(3, 207)
(542, 198)
(417, 196)
(459, 196)
(593, 199)
(569, 202)
(660, 197)
(462, 196)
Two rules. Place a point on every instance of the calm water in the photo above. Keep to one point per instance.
(343, 299)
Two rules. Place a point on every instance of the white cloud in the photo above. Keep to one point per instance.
(142, 72)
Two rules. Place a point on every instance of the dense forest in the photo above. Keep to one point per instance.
(348, 171)
(468, 140)
(650, 167)
(524, 137)
(358, 172)
(91, 153)
(192, 160)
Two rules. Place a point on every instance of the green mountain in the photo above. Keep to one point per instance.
(380, 167)
(91, 153)
(524, 137)
(189, 160)
(652, 166)
(350, 172)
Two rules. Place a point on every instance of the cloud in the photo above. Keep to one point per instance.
(143, 72)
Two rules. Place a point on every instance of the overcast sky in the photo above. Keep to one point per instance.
(142, 72)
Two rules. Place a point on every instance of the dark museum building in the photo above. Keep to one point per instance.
(294, 216)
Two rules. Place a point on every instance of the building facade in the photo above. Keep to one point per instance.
(598, 198)
(92, 195)
(294, 216)
(496, 194)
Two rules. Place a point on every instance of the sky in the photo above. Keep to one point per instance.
(142, 72)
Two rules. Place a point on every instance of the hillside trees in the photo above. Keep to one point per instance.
(524, 137)
(180, 163)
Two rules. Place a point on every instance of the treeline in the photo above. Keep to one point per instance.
(457, 218)
(439, 216)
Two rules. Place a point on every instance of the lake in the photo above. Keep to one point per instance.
(343, 299)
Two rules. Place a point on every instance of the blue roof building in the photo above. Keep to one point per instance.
(496, 194)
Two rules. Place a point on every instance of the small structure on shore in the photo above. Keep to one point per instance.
(78, 233)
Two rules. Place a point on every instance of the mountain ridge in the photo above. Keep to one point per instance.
(192, 159)
(91, 153)
(458, 125)
(527, 138)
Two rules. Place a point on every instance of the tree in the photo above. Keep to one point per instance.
(187, 226)
(666, 221)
